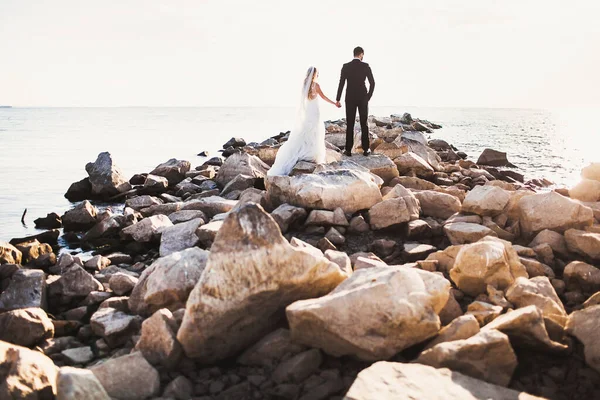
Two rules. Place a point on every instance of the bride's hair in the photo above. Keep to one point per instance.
(314, 75)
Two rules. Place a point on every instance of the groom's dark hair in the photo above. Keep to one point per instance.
(358, 51)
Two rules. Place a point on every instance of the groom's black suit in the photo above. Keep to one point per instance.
(357, 97)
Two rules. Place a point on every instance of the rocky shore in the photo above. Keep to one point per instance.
(412, 273)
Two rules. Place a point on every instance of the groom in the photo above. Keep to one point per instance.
(357, 97)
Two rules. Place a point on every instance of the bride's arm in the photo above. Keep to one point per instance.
(320, 93)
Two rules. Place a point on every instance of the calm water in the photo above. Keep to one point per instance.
(44, 150)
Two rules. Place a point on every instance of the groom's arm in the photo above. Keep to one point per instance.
(341, 85)
(371, 82)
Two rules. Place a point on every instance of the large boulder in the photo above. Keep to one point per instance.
(582, 277)
(486, 201)
(377, 164)
(81, 218)
(526, 329)
(391, 212)
(106, 178)
(25, 327)
(251, 275)
(128, 377)
(26, 374)
(168, 282)
(27, 288)
(584, 325)
(490, 261)
(487, 356)
(586, 190)
(374, 314)
(241, 164)
(9, 254)
(552, 211)
(591, 171)
(436, 204)
(389, 380)
(174, 170)
(77, 383)
(179, 237)
(493, 158)
(148, 229)
(584, 243)
(537, 292)
(351, 190)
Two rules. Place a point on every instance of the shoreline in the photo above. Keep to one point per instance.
(189, 283)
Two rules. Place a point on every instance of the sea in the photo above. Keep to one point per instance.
(44, 150)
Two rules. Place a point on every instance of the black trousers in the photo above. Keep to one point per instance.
(363, 111)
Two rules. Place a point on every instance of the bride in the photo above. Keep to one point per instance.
(307, 140)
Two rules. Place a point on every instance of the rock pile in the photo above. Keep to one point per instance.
(410, 273)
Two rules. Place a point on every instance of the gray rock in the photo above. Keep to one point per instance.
(299, 367)
(115, 327)
(270, 349)
(187, 215)
(179, 237)
(148, 229)
(155, 184)
(78, 355)
(181, 388)
(106, 178)
(75, 282)
(174, 170)
(97, 263)
(128, 377)
(75, 384)
(122, 283)
(140, 202)
(27, 288)
(80, 218)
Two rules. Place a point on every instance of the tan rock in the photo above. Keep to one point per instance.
(556, 241)
(411, 162)
(241, 164)
(486, 201)
(270, 349)
(591, 171)
(539, 292)
(285, 215)
(378, 164)
(552, 211)
(586, 190)
(26, 374)
(594, 300)
(436, 204)
(9, 254)
(491, 261)
(584, 243)
(483, 312)
(487, 355)
(25, 327)
(445, 258)
(351, 190)
(526, 328)
(462, 232)
(247, 283)
(374, 314)
(76, 383)
(411, 182)
(584, 326)
(158, 342)
(581, 276)
(207, 233)
(392, 212)
(388, 380)
(168, 282)
(535, 268)
(391, 150)
(461, 328)
(128, 377)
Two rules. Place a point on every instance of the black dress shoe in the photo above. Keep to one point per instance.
(367, 153)
(347, 153)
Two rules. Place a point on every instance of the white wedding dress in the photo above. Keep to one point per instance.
(307, 140)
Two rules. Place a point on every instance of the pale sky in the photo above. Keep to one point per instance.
(482, 53)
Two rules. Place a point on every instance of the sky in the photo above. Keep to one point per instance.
(459, 53)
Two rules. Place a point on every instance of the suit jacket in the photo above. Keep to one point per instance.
(355, 72)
